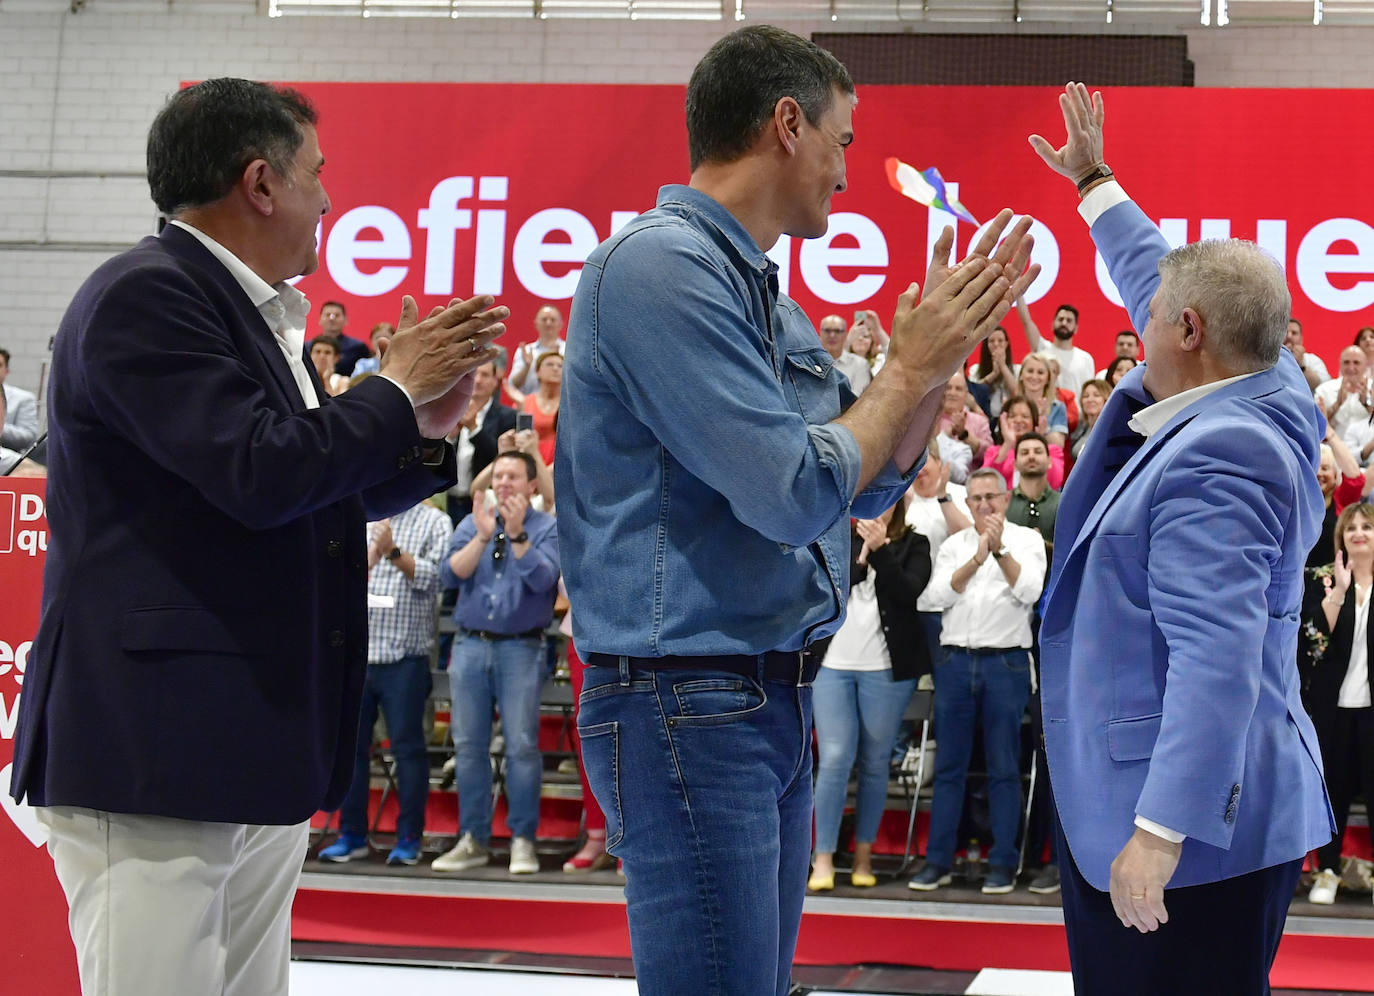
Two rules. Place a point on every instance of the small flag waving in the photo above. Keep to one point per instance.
(925, 186)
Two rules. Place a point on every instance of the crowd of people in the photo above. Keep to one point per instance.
(948, 581)
(1008, 431)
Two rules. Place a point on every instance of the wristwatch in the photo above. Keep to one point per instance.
(524, 537)
(999, 554)
(395, 553)
(943, 499)
(1099, 172)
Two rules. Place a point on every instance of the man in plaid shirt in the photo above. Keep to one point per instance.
(403, 579)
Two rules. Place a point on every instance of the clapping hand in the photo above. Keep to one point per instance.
(483, 517)
(513, 511)
(874, 534)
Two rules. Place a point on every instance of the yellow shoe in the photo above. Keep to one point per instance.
(821, 883)
(863, 880)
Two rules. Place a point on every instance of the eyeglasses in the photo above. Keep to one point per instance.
(975, 499)
(498, 550)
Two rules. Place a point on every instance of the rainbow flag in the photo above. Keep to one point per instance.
(925, 186)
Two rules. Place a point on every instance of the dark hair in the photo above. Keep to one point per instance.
(6, 354)
(1362, 331)
(985, 355)
(1129, 332)
(739, 81)
(1034, 436)
(1116, 362)
(335, 304)
(1069, 308)
(1294, 321)
(332, 341)
(531, 468)
(1021, 399)
(207, 134)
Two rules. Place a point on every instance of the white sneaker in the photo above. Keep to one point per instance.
(523, 859)
(1324, 888)
(467, 854)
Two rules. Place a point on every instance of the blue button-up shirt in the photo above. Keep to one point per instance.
(511, 594)
(704, 489)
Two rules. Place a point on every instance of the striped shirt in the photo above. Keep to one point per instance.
(407, 627)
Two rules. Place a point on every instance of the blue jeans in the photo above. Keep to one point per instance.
(968, 687)
(705, 777)
(400, 689)
(509, 673)
(856, 711)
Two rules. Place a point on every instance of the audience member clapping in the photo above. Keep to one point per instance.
(1090, 402)
(523, 380)
(1018, 418)
(1338, 694)
(1310, 363)
(869, 670)
(994, 373)
(960, 419)
(1346, 398)
(542, 405)
(324, 355)
(1037, 383)
(937, 510)
(525, 441)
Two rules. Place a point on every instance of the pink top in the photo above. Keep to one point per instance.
(977, 425)
(1007, 467)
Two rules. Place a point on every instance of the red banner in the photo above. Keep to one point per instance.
(37, 949)
(440, 190)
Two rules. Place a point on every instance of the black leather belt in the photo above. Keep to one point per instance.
(483, 634)
(988, 651)
(794, 667)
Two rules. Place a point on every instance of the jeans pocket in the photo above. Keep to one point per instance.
(714, 701)
(601, 763)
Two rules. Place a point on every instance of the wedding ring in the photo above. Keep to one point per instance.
(1134, 896)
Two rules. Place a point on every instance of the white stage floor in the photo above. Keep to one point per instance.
(318, 978)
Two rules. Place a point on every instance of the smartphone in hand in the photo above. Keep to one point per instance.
(523, 421)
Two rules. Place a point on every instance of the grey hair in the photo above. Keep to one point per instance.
(1240, 293)
(991, 473)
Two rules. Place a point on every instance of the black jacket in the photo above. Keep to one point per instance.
(902, 570)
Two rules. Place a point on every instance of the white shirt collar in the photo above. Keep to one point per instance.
(1152, 418)
(283, 307)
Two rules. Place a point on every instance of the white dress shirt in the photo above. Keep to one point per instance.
(989, 613)
(927, 517)
(464, 449)
(1350, 412)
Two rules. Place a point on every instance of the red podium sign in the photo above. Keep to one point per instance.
(36, 954)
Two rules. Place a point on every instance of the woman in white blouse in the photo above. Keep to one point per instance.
(1339, 692)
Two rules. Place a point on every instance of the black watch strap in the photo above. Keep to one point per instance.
(524, 537)
(395, 553)
(1099, 172)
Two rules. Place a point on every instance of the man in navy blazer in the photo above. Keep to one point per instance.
(192, 694)
(1184, 769)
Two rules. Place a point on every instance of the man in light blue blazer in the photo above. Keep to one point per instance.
(1184, 769)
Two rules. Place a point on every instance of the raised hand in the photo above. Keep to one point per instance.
(1082, 148)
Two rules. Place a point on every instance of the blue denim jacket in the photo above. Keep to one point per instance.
(704, 493)
(510, 594)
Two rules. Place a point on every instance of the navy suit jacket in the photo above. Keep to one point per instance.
(1169, 682)
(203, 642)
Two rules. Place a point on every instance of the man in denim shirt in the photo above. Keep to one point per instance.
(709, 459)
(504, 562)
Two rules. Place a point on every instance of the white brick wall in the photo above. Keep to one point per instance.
(80, 90)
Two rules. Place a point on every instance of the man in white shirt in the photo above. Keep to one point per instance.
(1127, 346)
(834, 334)
(1346, 399)
(524, 379)
(986, 580)
(937, 511)
(1311, 364)
(1076, 365)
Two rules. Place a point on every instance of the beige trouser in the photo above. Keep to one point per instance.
(165, 907)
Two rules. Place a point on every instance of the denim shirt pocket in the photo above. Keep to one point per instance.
(815, 384)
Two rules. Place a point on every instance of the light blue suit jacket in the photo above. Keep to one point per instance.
(1169, 678)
